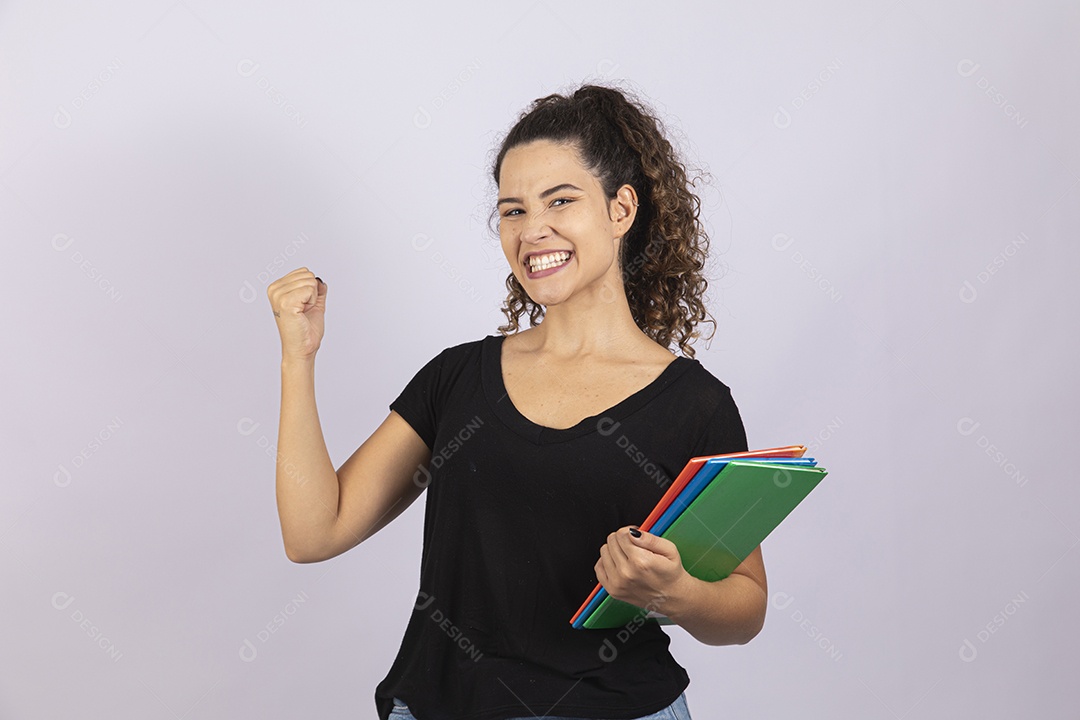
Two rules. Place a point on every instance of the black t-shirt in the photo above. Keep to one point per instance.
(515, 517)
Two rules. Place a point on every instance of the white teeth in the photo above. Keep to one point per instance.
(550, 260)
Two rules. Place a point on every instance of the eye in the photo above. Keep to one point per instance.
(514, 211)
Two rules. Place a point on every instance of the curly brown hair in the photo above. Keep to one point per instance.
(662, 256)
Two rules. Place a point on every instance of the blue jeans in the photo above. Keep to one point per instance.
(675, 711)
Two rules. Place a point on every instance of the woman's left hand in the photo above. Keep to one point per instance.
(643, 571)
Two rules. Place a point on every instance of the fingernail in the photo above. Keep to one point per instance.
(319, 279)
(635, 532)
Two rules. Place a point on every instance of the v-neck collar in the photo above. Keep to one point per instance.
(500, 403)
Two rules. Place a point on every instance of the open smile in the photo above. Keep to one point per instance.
(542, 264)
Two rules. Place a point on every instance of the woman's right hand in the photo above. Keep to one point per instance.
(298, 300)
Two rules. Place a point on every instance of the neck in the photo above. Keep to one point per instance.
(598, 323)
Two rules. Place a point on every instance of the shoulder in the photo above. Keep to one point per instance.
(455, 358)
(460, 350)
(465, 349)
(722, 425)
(704, 381)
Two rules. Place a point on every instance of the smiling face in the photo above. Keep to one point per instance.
(559, 232)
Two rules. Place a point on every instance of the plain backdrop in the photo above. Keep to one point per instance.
(893, 199)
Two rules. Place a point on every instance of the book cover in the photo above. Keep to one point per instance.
(732, 513)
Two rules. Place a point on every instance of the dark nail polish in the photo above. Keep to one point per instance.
(319, 279)
(635, 532)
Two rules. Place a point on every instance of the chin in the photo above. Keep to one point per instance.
(545, 299)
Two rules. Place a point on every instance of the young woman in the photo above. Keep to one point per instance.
(540, 448)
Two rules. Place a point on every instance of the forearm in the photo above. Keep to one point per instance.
(306, 482)
(726, 612)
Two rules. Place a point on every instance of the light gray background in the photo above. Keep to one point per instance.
(893, 207)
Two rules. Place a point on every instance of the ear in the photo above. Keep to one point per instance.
(623, 210)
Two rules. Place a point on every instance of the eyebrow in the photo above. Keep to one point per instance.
(546, 193)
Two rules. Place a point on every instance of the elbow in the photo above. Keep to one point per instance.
(294, 556)
(747, 627)
(755, 625)
(301, 556)
(312, 553)
(753, 634)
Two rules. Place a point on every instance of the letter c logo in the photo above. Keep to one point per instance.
(248, 653)
(421, 241)
(247, 292)
(246, 426)
(966, 426)
(966, 67)
(422, 118)
(61, 600)
(782, 241)
(62, 118)
(605, 426)
(246, 67)
(781, 600)
(423, 481)
(782, 118)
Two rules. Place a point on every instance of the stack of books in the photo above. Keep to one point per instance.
(718, 510)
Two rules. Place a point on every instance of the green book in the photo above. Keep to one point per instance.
(728, 519)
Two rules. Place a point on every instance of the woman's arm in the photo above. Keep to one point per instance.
(323, 513)
(725, 612)
(646, 571)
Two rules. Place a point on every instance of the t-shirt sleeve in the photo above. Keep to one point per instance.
(724, 431)
(418, 402)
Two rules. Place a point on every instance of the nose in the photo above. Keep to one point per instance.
(534, 228)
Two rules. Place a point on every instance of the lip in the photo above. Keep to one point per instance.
(544, 273)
